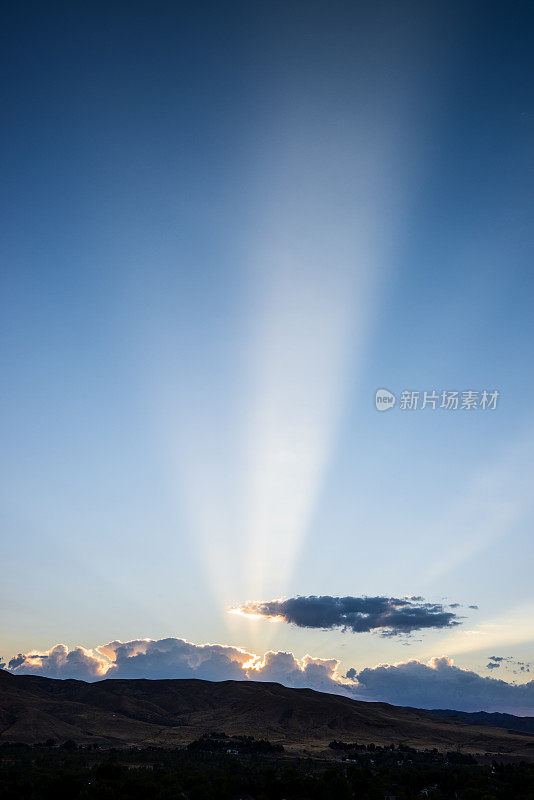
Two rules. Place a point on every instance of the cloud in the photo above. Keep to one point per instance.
(178, 658)
(440, 684)
(435, 684)
(16, 661)
(60, 662)
(388, 615)
(508, 663)
(141, 658)
(175, 658)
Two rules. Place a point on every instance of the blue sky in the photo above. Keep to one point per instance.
(223, 228)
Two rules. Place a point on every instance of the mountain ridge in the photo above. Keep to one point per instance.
(495, 719)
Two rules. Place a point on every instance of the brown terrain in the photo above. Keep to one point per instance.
(173, 712)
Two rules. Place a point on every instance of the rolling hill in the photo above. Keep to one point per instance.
(174, 712)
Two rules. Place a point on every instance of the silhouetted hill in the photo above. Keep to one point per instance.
(495, 719)
(174, 712)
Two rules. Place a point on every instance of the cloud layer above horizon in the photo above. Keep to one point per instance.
(435, 684)
(389, 616)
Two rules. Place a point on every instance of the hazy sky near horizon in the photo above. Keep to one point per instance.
(224, 227)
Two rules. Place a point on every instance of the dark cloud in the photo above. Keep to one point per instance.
(508, 663)
(351, 674)
(17, 661)
(474, 607)
(388, 615)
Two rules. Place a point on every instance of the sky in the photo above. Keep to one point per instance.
(224, 227)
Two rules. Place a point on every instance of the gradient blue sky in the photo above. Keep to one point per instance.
(224, 226)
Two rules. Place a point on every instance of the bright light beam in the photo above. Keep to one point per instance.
(320, 262)
(329, 203)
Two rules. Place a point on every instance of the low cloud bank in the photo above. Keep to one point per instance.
(440, 684)
(389, 616)
(436, 684)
